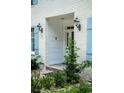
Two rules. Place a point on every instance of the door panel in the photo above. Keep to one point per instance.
(55, 44)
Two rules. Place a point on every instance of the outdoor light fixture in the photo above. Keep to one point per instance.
(34, 2)
(77, 23)
(40, 27)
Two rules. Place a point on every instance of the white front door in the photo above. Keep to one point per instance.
(55, 43)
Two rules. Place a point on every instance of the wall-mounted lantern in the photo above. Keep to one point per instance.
(34, 2)
(77, 23)
(40, 28)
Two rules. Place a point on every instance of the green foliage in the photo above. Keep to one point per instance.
(85, 88)
(59, 78)
(38, 83)
(35, 84)
(47, 82)
(71, 56)
(85, 64)
(34, 64)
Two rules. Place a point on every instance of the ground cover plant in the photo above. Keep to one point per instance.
(57, 83)
(85, 88)
(38, 83)
(59, 78)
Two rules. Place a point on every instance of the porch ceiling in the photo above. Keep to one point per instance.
(62, 17)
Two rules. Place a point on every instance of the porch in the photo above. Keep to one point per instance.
(58, 30)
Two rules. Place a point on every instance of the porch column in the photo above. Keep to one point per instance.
(46, 43)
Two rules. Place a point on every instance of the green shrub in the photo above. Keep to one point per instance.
(66, 90)
(70, 60)
(85, 88)
(38, 83)
(34, 64)
(47, 82)
(35, 84)
(59, 78)
(86, 64)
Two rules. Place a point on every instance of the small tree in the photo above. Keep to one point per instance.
(70, 57)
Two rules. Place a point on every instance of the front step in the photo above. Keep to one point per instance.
(53, 68)
(50, 69)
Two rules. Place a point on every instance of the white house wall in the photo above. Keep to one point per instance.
(47, 8)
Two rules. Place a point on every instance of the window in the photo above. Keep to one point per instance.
(32, 40)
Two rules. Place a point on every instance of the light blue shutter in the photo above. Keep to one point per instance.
(89, 39)
(36, 40)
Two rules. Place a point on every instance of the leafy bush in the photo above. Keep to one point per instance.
(85, 88)
(47, 82)
(38, 83)
(85, 71)
(34, 64)
(35, 84)
(71, 56)
(85, 64)
(59, 78)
